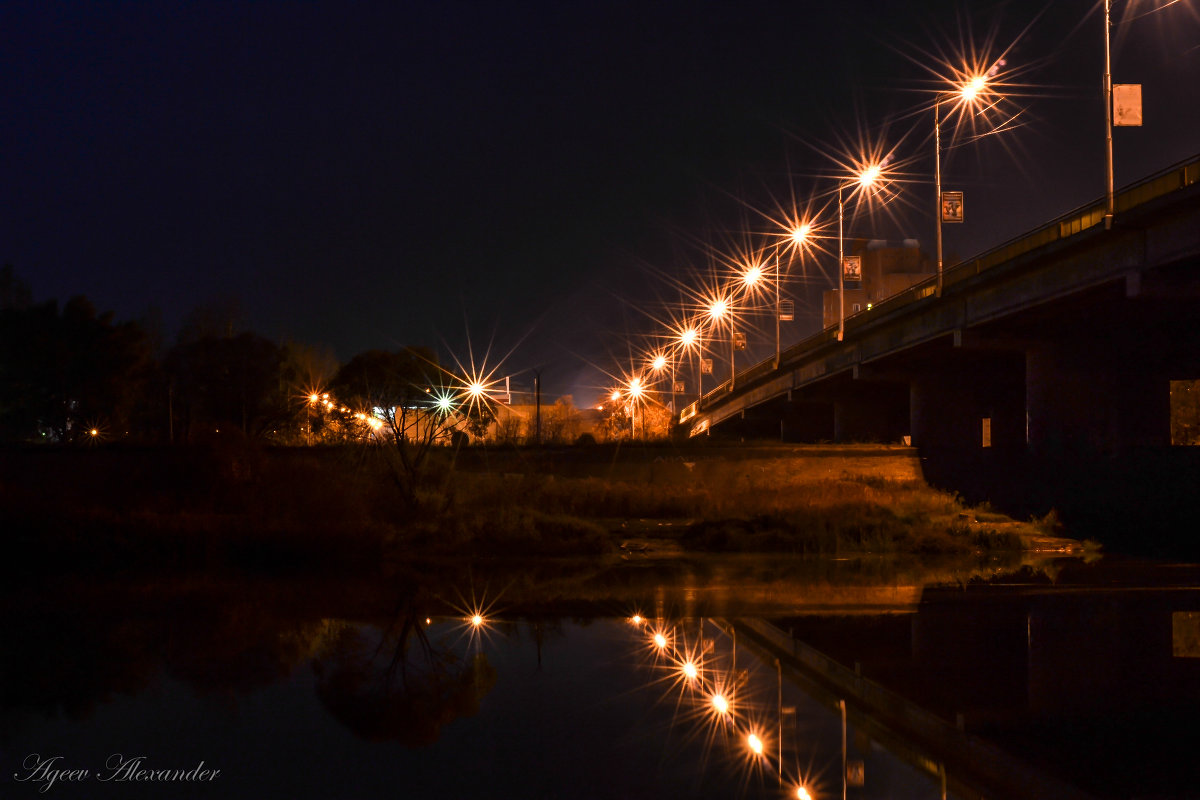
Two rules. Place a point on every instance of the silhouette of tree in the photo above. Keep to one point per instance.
(381, 694)
(232, 382)
(65, 374)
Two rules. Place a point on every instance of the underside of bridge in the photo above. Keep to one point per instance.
(1041, 386)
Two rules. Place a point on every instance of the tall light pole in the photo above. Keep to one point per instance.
(799, 237)
(1109, 206)
(717, 311)
(967, 94)
(866, 179)
(658, 364)
(691, 336)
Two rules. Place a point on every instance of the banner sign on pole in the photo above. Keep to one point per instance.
(787, 311)
(677, 387)
(739, 340)
(1127, 104)
(706, 366)
(852, 268)
(952, 206)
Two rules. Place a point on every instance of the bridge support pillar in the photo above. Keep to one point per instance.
(1082, 397)
(870, 411)
(807, 421)
(974, 402)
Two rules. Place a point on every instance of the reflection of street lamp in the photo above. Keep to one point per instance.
(967, 94)
(866, 179)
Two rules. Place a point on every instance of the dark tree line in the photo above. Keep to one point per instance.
(71, 374)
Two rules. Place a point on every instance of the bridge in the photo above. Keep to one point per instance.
(1064, 340)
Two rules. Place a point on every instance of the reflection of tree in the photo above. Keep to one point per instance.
(380, 693)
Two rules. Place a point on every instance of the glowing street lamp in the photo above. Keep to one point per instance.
(636, 391)
(967, 94)
(718, 310)
(799, 238)
(866, 179)
(688, 337)
(1109, 205)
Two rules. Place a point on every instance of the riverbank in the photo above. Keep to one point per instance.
(280, 509)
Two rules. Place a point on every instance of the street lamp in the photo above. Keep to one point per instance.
(718, 310)
(687, 338)
(799, 238)
(967, 94)
(866, 179)
(636, 390)
(1109, 205)
(658, 365)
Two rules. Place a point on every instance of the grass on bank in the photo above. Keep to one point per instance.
(281, 509)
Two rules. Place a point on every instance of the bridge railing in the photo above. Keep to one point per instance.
(1075, 222)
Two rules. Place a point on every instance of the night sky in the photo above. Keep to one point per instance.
(535, 174)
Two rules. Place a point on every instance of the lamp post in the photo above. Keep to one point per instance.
(636, 390)
(866, 179)
(1108, 139)
(967, 94)
(689, 337)
(658, 365)
(717, 311)
(799, 237)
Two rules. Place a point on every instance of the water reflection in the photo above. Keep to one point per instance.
(613, 683)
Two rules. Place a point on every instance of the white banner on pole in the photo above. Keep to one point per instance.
(1127, 104)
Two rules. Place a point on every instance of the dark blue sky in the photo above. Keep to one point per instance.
(373, 175)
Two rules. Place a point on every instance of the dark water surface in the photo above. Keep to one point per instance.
(383, 687)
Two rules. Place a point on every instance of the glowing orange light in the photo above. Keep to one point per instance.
(314, 398)
(690, 671)
(635, 387)
(869, 176)
(688, 336)
(973, 87)
(756, 745)
(615, 396)
(659, 362)
(720, 704)
(636, 619)
(476, 389)
(802, 793)
(800, 233)
(477, 620)
(752, 276)
(660, 641)
(718, 309)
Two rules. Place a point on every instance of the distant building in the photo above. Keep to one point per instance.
(887, 269)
